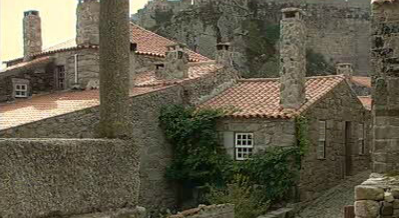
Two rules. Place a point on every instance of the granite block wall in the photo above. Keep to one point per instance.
(377, 197)
(48, 177)
(342, 159)
(267, 133)
(156, 153)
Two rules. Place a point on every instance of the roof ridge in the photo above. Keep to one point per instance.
(327, 76)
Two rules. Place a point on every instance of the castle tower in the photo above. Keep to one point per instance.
(87, 22)
(32, 33)
(385, 84)
(292, 59)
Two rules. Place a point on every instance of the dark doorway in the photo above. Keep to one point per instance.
(348, 148)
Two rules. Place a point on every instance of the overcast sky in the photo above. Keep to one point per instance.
(58, 22)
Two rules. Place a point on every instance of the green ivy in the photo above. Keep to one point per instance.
(200, 160)
(198, 157)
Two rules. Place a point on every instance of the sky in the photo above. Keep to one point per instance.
(58, 22)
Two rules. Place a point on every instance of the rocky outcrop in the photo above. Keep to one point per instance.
(338, 31)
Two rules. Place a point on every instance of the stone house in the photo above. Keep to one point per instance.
(53, 93)
(260, 113)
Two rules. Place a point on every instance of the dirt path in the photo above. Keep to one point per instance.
(331, 203)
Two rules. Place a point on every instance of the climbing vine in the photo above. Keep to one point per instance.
(200, 160)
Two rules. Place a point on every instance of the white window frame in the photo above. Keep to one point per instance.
(243, 145)
(21, 90)
(322, 140)
(361, 138)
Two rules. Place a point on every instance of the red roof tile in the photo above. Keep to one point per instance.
(366, 101)
(148, 43)
(42, 60)
(252, 98)
(51, 105)
(46, 106)
(361, 81)
(196, 70)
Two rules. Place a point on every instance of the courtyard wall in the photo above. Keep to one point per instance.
(57, 177)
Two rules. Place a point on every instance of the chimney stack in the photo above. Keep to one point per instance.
(87, 22)
(292, 59)
(176, 63)
(32, 33)
(224, 54)
(345, 69)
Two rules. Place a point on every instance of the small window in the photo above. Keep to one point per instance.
(321, 146)
(244, 144)
(21, 90)
(180, 54)
(361, 139)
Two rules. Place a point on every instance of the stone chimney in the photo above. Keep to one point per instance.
(385, 84)
(292, 59)
(87, 22)
(176, 63)
(345, 69)
(224, 54)
(32, 33)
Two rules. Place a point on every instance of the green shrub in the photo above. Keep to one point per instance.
(200, 160)
(247, 200)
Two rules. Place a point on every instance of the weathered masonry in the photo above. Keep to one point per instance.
(385, 79)
(261, 113)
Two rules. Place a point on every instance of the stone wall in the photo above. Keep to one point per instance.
(267, 133)
(336, 108)
(40, 77)
(50, 177)
(155, 152)
(212, 211)
(338, 29)
(385, 82)
(377, 197)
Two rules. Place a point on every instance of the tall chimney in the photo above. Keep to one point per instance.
(385, 83)
(32, 33)
(87, 22)
(176, 63)
(292, 59)
(345, 69)
(224, 54)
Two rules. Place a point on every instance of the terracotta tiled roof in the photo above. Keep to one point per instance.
(361, 81)
(42, 60)
(46, 106)
(259, 98)
(195, 71)
(366, 101)
(71, 43)
(51, 105)
(148, 43)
